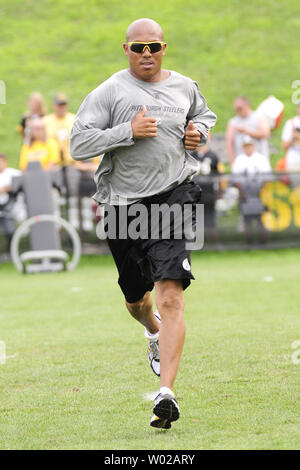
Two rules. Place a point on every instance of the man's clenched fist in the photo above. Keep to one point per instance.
(192, 137)
(143, 126)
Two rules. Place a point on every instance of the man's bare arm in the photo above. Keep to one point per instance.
(230, 143)
(262, 132)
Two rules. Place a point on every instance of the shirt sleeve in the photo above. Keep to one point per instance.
(22, 124)
(266, 166)
(53, 155)
(203, 118)
(236, 166)
(287, 131)
(214, 161)
(23, 157)
(91, 133)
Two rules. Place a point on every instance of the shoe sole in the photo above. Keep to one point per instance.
(166, 411)
(160, 423)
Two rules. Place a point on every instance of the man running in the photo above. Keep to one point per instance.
(144, 119)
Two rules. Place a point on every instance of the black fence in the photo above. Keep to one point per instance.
(260, 210)
(240, 212)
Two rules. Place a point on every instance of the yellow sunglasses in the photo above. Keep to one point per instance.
(139, 47)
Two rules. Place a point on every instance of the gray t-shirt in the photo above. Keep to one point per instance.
(138, 168)
(251, 122)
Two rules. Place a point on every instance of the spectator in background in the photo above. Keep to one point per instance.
(7, 222)
(291, 142)
(251, 167)
(39, 147)
(210, 167)
(58, 127)
(36, 108)
(246, 122)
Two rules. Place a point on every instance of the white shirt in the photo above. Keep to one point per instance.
(293, 153)
(293, 159)
(288, 128)
(6, 177)
(256, 163)
(251, 122)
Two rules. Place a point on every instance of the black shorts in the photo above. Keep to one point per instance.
(141, 262)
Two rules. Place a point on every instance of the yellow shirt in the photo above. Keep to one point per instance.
(60, 129)
(44, 152)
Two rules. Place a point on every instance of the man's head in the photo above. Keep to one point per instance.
(242, 106)
(36, 104)
(60, 105)
(37, 130)
(3, 162)
(248, 146)
(145, 65)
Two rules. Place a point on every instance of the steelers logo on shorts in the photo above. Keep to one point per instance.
(186, 265)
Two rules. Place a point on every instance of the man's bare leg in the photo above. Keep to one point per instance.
(170, 304)
(142, 311)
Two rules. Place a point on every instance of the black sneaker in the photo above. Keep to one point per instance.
(165, 411)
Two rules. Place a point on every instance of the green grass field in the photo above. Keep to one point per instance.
(80, 376)
(77, 376)
(230, 48)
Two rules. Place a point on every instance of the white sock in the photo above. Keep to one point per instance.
(166, 391)
(151, 336)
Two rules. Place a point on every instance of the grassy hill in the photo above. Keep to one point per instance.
(230, 48)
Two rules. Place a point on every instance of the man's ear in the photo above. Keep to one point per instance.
(125, 47)
(164, 48)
